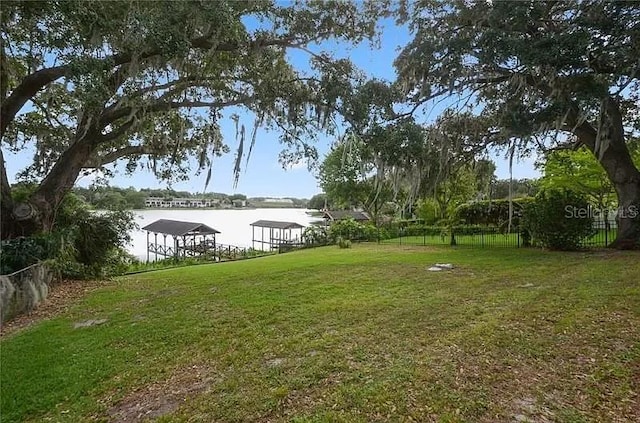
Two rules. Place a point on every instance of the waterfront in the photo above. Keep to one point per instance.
(233, 224)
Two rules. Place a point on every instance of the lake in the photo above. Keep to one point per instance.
(234, 224)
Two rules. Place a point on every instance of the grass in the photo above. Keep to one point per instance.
(354, 335)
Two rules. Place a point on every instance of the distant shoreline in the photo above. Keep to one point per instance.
(222, 208)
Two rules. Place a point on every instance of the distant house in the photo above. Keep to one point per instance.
(287, 201)
(335, 215)
(161, 202)
(239, 203)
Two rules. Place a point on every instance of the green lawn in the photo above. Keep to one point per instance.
(357, 335)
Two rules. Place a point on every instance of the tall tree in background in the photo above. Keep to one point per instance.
(319, 202)
(500, 189)
(538, 70)
(88, 83)
(350, 179)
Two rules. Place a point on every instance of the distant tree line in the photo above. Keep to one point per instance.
(116, 198)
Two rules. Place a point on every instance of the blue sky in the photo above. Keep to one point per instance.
(265, 176)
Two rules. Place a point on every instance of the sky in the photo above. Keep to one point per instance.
(264, 175)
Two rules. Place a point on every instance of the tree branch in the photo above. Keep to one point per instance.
(24, 92)
(116, 133)
(50, 118)
(31, 84)
(109, 117)
(112, 156)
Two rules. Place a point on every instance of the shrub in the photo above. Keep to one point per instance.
(345, 228)
(492, 213)
(18, 253)
(316, 235)
(343, 243)
(84, 244)
(429, 211)
(551, 219)
(97, 234)
(352, 230)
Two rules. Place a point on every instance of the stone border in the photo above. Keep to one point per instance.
(22, 291)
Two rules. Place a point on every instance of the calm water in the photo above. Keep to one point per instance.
(234, 224)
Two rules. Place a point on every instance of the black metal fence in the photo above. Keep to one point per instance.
(473, 236)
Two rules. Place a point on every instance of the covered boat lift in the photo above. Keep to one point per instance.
(281, 235)
(187, 239)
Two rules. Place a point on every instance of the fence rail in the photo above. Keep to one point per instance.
(474, 236)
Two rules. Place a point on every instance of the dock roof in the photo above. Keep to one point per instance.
(179, 228)
(276, 224)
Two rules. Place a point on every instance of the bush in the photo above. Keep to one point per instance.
(97, 235)
(352, 230)
(343, 243)
(316, 235)
(429, 211)
(345, 228)
(84, 244)
(18, 253)
(553, 222)
(493, 213)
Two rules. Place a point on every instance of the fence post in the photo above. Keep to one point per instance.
(424, 236)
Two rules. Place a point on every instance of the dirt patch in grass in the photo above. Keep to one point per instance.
(163, 397)
(61, 296)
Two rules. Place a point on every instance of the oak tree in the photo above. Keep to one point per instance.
(89, 83)
(543, 72)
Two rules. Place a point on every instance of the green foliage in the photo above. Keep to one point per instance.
(83, 244)
(541, 74)
(344, 175)
(428, 210)
(345, 228)
(454, 189)
(493, 213)
(343, 243)
(460, 46)
(18, 253)
(316, 235)
(352, 230)
(499, 189)
(318, 202)
(138, 71)
(97, 234)
(558, 219)
(579, 171)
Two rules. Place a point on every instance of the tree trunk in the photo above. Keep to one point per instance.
(47, 198)
(622, 172)
(6, 203)
(627, 186)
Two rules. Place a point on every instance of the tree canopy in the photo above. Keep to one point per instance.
(537, 73)
(579, 171)
(90, 82)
